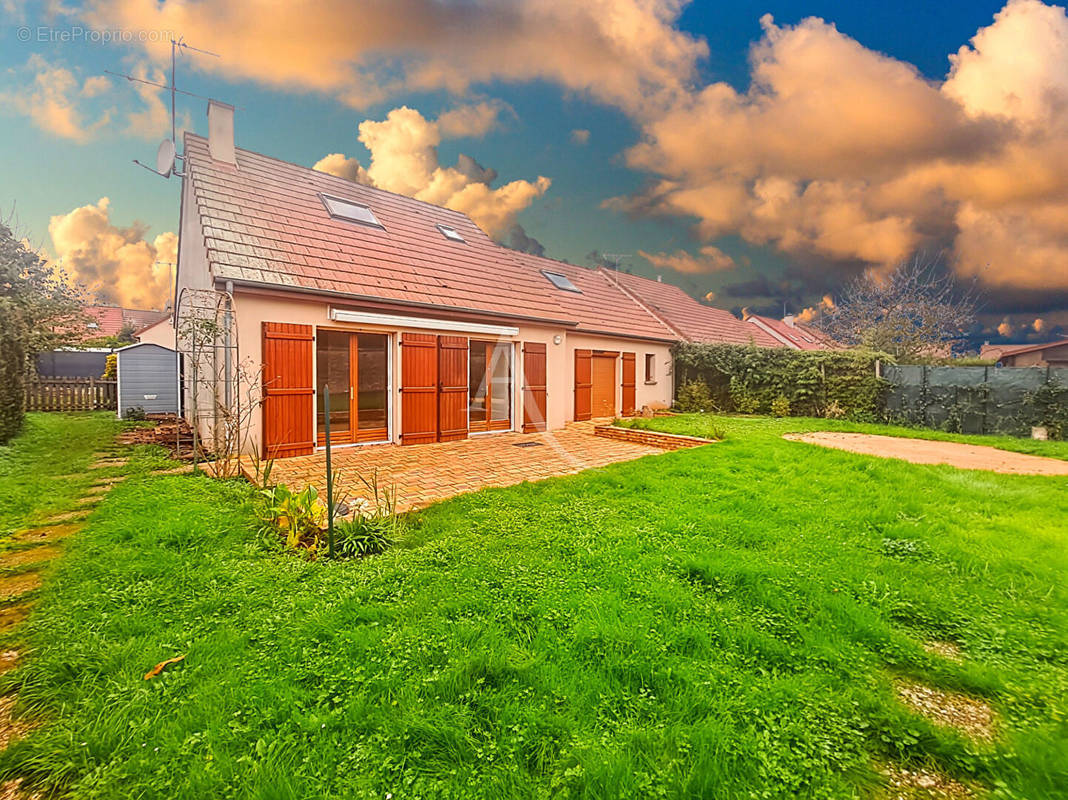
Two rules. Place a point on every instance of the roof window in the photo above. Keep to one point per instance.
(353, 212)
(561, 281)
(451, 233)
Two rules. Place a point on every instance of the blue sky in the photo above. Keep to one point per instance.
(50, 170)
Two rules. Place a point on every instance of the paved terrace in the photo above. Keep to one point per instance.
(426, 473)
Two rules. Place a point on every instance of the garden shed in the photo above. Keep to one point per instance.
(148, 379)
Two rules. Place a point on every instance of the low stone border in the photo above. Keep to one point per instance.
(665, 441)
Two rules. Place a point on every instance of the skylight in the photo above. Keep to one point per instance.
(353, 212)
(451, 233)
(561, 281)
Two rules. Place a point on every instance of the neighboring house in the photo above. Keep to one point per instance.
(160, 332)
(422, 326)
(1046, 354)
(788, 332)
(90, 362)
(112, 320)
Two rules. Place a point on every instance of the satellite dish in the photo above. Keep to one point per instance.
(165, 158)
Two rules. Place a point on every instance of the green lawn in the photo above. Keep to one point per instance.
(723, 622)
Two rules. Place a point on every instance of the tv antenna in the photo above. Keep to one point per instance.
(615, 258)
(167, 152)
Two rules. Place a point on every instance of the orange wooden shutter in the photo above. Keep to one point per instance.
(452, 388)
(419, 388)
(534, 394)
(288, 391)
(628, 382)
(583, 383)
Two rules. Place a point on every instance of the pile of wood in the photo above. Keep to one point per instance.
(168, 431)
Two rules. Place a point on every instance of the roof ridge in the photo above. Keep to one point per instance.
(660, 318)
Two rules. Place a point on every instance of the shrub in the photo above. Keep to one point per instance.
(299, 517)
(12, 371)
(111, 367)
(135, 413)
(780, 406)
(694, 396)
(375, 524)
(747, 378)
(1049, 408)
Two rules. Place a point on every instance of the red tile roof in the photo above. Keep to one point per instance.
(996, 351)
(602, 306)
(693, 321)
(797, 335)
(110, 320)
(264, 223)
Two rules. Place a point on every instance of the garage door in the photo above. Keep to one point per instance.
(603, 391)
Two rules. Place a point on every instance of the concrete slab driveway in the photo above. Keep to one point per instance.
(424, 474)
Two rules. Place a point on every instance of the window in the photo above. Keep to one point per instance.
(561, 281)
(353, 212)
(92, 325)
(451, 233)
(650, 368)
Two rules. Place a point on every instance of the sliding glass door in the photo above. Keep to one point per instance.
(490, 386)
(356, 368)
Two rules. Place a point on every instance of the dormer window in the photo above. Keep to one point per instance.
(451, 233)
(348, 210)
(561, 281)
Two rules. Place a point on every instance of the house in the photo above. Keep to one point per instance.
(1045, 354)
(113, 320)
(789, 332)
(160, 332)
(421, 326)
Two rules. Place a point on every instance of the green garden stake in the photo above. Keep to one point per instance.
(329, 475)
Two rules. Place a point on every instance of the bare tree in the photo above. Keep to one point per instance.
(916, 310)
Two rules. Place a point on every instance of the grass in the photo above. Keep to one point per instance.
(44, 469)
(727, 622)
(751, 426)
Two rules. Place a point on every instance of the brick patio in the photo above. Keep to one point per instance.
(424, 474)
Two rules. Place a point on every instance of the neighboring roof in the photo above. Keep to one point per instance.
(692, 321)
(108, 321)
(796, 335)
(999, 351)
(599, 306)
(165, 318)
(111, 320)
(265, 223)
(140, 319)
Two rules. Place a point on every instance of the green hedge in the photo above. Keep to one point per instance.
(12, 371)
(757, 380)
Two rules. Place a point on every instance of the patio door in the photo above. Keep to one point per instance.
(356, 368)
(490, 386)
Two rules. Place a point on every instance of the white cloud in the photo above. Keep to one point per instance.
(580, 136)
(841, 154)
(54, 99)
(474, 120)
(117, 265)
(623, 52)
(710, 259)
(404, 159)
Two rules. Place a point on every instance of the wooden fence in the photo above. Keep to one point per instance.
(71, 394)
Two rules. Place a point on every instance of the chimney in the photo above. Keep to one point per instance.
(789, 320)
(659, 278)
(221, 132)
